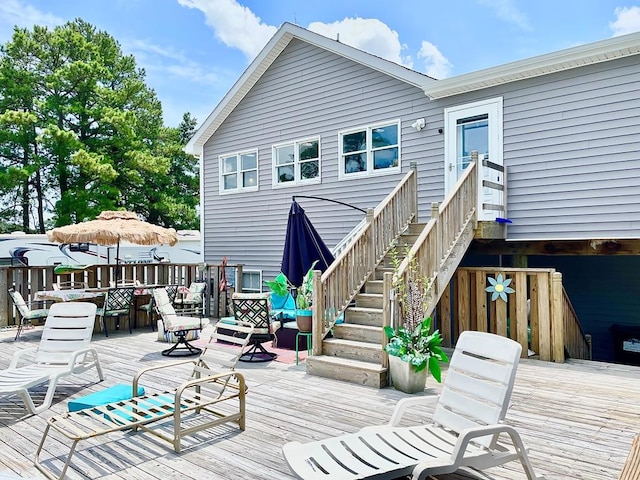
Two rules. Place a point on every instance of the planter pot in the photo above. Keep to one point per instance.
(404, 377)
(304, 320)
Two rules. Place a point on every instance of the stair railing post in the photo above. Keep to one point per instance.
(557, 320)
(478, 189)
(371, 241)
(317, 319)
(414, 185)
(436, 259)
(387, 294)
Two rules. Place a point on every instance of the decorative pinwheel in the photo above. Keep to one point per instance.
(499, 288)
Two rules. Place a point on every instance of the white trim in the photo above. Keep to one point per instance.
(202, 200)
(297, 180)
(370, 171)
(580, 56)
(259, 272)
(493, 108)
(239, 187)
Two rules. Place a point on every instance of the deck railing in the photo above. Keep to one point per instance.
(434, 244)
(29, 280)
(338, 285)
(537, 314)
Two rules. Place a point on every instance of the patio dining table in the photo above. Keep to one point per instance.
(70, 295)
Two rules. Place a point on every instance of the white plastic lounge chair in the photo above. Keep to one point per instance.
(63, 350)
(214, 392)
(463, 431)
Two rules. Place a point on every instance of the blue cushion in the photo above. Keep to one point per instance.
(228, 320)
(282, 303)
(116, 393)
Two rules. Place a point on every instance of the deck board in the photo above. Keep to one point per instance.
(577, 419)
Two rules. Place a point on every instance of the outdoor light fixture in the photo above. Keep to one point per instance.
(419, 124)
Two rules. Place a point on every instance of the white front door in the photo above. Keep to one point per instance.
(474, 126)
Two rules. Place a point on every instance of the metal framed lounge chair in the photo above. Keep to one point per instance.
(174, 326)
(212, 395)
(27, 315)
(63, 350)
(464, 430)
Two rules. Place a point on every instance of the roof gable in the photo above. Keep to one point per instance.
(270, 53)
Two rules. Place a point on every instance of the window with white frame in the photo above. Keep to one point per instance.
(252, 281)
(239, 172)
(296, 162)
(372, 149)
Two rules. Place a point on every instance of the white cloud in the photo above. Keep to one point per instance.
(436, 64)
(627, 20)
(18, 13)
(507, 11)
(368, 34)
(168, 62)
(235, 25)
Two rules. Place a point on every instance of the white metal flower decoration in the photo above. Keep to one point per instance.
(499, 288)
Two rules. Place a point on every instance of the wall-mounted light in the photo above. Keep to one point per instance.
(419, 124)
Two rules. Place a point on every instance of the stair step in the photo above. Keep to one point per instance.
(379, 272)
(369, 300)
(340, 347)
(359, 333)
(348, 370)
(415, 228)
(373, 286)
(364, 316)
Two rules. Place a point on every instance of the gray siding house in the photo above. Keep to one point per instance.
(314, 117)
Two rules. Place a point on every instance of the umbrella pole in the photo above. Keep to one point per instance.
(117, 262)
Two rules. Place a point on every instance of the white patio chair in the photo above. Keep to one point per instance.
(63, 350)
(463, 431)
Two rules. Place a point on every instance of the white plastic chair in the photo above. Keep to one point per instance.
(463, 431)
(63, 350)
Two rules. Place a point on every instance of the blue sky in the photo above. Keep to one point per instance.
(194, 50)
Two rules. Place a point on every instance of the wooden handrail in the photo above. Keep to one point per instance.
(440, 234)
(576, 342)
(339, 284)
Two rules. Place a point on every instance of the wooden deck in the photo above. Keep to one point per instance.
(578, 419)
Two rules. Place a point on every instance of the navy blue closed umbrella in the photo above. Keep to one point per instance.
(302, 247)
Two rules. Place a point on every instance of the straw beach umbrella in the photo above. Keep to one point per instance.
(111, 227)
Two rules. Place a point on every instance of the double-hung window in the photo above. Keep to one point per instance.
(239, 172)
(296, 162)
(369, 150)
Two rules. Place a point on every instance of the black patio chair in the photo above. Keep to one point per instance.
(254, 308)
(117, 304)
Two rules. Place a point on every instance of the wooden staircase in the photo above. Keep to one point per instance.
(355, 352)
(352, 299)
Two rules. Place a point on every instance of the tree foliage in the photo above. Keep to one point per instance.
(80, 132)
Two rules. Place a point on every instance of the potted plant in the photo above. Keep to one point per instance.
(304, 300)
(414, 350)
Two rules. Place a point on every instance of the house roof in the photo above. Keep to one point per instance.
(580, 56)
(267, 56)
(602, 51)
